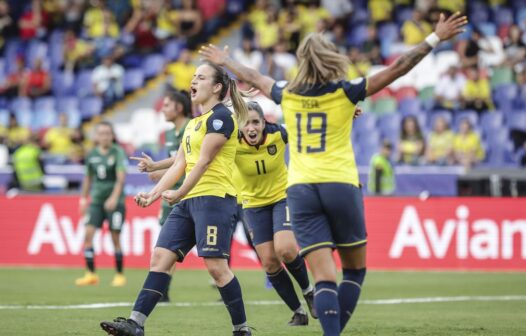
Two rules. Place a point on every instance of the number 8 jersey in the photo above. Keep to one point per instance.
(262, 168)
(319, 123)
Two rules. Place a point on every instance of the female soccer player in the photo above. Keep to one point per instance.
(104, 183)
(323, 193)
(260, 159)
(204, 205)
(177, 109)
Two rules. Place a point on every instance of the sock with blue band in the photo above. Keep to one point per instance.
(349, 293)
(327, 307)
(283, 285)
(233, 299)
(152, 291)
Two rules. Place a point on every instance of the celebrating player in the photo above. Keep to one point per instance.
(177, 109)
(204, 204)
(260, 159)
(323, 193)
(104, 182)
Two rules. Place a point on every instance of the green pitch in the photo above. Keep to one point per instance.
(43, 302)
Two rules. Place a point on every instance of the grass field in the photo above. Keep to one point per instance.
(35, 302)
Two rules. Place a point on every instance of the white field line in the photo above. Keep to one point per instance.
(269, 303)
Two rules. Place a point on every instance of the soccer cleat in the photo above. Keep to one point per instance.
(122, 327)
(299, 320)
(245, 331)
(309, 298)
(119, 280)
(88, 279)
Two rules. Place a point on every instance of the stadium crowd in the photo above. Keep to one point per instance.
(64, 62)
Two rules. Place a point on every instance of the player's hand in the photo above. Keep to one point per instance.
(357, 112)
(213, 54)
(146, 199)
(450, 27)
(145, 164)
(110, 204)
(171, 196)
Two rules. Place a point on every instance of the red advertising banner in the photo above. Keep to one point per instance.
(404, 233)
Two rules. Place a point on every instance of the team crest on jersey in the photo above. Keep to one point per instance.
(217, 124)
(198, 126)
(272, 149)
(111, 160)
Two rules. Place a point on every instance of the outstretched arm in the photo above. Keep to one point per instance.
(251, 76)
(445, 30)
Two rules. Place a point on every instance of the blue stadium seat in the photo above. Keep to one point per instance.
(498, 136)
(504, 94)
(364, 123)
(389, 123)
(357, 35)
(370, 139)
(44, 104)
(472, 116)
(172, 49)
(4, 117)
(24, 117)
(66, 104)
(479, 13)
(153, 65)
(488, 28)
(359, 16)
(517, 120)
(491, 121)
(62, 83)
(11, 52)
(499, 155)
(21, 103)
(74, 118)
(410, 106)
(90, 107)
(44, 119)
(502, 16)
(403, 14)
(439, 113)
(84, 84)
(389, 32)
(133, 79)
(35, 50)
(363, 155)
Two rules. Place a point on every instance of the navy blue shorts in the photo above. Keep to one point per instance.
(205, 221)
(327, 215)
(264, 222)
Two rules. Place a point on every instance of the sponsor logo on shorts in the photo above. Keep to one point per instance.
(210, 249)
(272, 150)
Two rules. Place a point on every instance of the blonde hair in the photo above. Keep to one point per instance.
(319, 63)
(236, 95)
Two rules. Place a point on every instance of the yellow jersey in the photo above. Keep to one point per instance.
(262, 168)
(217, 179)
(237, 180)
(319, 123)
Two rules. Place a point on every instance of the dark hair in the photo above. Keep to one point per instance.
(236, 96)
(254, 106)
(183, 98)
(404, 135)
(110, 125)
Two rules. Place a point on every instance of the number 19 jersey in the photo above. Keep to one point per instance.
(262, 169)
(319, 123)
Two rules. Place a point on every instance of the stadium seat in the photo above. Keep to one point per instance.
(406, 92)
(488, 28)
(491, 121)
(369, 139)
(472, 116)
(439, 113)
(133, 79)
(503, 16)
(62, 83)
(44, 119)
(153, 65)
(172, 49)
(44, 104)
(23, 117)
(357, 35)
(66, 104)
(479, 13)
(90, 107)
(498, 136)
(500, 76)
(360, 16)
(388, 32)
(84, 84)
(363, 155)
(36, 50)
(74, 118)
(410, 106)
(499, 155)
(4, 117)
(504, 94)
(403, 14)
(385, 105)
(365, 123)
(21, 103)
(517, 120)
(389, 123)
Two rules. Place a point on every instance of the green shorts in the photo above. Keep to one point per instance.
(97, 214)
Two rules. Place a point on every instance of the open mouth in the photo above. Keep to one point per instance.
(193, 92)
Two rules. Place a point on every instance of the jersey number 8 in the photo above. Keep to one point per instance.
(321, 130)
(211, 235)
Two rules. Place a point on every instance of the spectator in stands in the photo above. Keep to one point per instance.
(469, 49)
(73, 13)
(381, 10)
(339, 37)
(58, 140)
(182, 71)
(449, 89)
(99, 21)
(467, 147)
(439, 150)
(411, 144)
(78, 151)
(77, 52)
(248, 55)
(212, 12)
(521, 155)
(267, 35)
(371, 47)
(256, 19)
(416, 29)
(190, 22)
(36, 82)
(514, 47)
(142, 27)
(167, 21)
(290, 27)
(121, 10)
(33, 22)
(283, 60)
(520, 100)
(16, 134)
(359, 64)
(381, 172)
(477, 91)
(11, 87)
(311, 14)
(7, 26)
(339, 9)
(28, 170)
(107, 80)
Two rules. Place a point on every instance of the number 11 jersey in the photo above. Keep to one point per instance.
(262, 168)
(319, 123)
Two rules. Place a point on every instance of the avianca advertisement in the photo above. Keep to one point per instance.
(403, 233)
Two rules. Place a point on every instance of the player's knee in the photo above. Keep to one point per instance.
(270, 264)
(160, 263)
(218, 271)
(287, 253)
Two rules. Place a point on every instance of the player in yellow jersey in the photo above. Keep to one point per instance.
(260, 159)
(323, 192)
(205, 204)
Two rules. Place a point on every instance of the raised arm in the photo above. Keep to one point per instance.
(251, 76)
(445, 30)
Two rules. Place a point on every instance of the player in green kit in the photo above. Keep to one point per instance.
(177, 109)
(104, 185)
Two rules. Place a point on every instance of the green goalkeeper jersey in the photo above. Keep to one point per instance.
(172, 142)
(103, 172)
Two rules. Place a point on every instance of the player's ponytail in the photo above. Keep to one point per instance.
(319, 63)
(240, 107)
